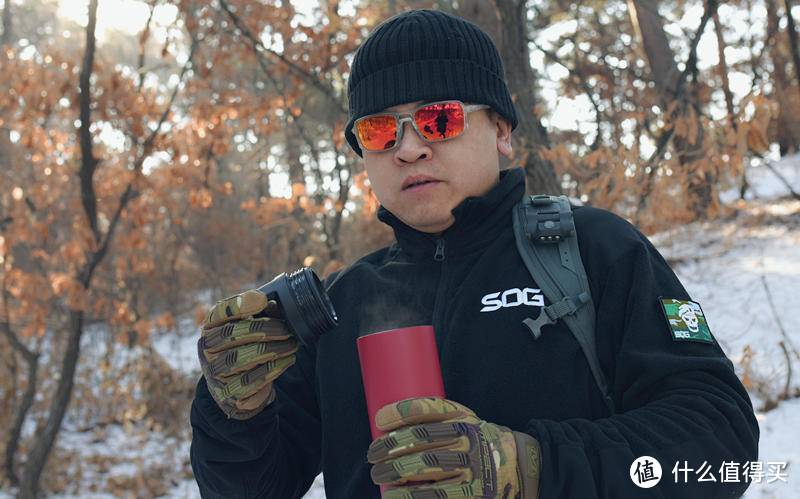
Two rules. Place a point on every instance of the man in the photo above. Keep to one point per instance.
(430, 114)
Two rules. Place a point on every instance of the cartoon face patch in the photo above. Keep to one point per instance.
(686, 320)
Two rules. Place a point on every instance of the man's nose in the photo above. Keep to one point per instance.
(412, 147)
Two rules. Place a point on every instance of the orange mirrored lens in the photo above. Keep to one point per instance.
(377, 133)
(440, 121)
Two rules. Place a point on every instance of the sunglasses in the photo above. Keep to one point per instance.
(434, 122)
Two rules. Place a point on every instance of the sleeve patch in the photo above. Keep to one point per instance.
(686, 320)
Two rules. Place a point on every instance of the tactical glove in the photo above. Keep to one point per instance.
(440, 449)
(241, 355)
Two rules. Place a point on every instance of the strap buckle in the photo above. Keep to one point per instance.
(551, 313)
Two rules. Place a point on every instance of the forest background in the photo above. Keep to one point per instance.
(156, 156)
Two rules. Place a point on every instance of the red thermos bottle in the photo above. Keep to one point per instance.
(399, 364)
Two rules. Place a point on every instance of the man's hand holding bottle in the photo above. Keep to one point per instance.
(241, 354)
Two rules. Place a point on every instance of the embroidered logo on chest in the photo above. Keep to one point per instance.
(512, 298)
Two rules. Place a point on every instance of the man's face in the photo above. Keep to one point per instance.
(467, 165)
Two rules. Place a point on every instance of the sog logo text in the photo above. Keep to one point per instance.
(512, 298)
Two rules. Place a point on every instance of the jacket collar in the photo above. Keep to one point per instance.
(478, 221)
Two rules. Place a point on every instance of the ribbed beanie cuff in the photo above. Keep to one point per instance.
(426, 55)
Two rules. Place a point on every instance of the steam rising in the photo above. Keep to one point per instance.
(381, 313)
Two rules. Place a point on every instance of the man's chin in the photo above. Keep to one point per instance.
(430, 225)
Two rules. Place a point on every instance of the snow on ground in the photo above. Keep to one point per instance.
(734, 269)
(730, 266)
(764, 184)
(779, 441)
(127, 452)
(180, 349)
(742, 271)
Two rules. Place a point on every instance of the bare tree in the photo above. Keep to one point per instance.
(31, 358)
(297, 130)
(6, 39)
(507, 22)
(649, 27)
(677, 96)
(723, 71)
(37, 458)
(791, 30)
(46, 435)
(780, 80)
(18, 347)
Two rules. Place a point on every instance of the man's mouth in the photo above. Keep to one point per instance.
(417, 181)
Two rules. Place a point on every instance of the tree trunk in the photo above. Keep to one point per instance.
(793, 43)
(43, 444)
(780, 80)
(37, 458)
(723, 71)
(296, 236)
(726, 88)
(32, 360)
(262, 189)
(649, 27)
(263, 193)
(334, 228)
(15, 432)
(5, 133)
(8, 157)
(7, 35)
(297, 176)
(507, 22)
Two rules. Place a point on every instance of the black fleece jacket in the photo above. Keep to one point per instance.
(676, 400)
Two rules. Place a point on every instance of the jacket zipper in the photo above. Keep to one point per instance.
(439, 255)
(439, 305)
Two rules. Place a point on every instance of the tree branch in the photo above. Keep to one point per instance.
(315, 152)
(666, 135)
(783, 180)
(149, 141)
(583, 84)
(785, 394)
(259, 49)
(88, 161)
(143, 37)
(6, 39)
(776, 316)
(43, 443)
(791, 31)
(16, 343)
(691, 62)
(31, 358)
(130, 192)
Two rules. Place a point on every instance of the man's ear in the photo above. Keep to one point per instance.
(503, 129)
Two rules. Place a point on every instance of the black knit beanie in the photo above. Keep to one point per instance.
(426, 55)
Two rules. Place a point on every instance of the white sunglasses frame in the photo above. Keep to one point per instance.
(400, 118)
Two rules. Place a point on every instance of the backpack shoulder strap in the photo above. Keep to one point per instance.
(548, 244)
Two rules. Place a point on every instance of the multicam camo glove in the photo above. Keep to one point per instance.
(241, 355)
(440, 449)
